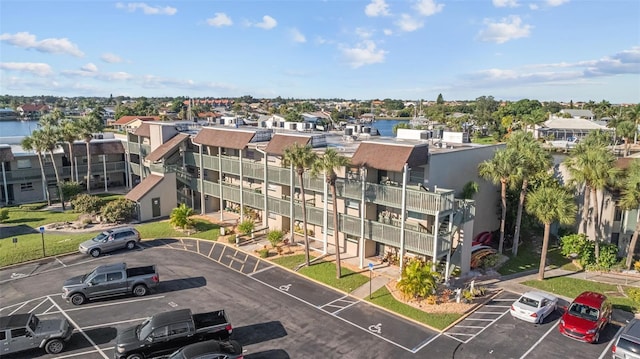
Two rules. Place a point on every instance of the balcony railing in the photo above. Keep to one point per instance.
(30, 174)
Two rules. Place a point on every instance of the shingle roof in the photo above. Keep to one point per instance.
(390, 157)
(142, 188)
(167, 147)
(97, 148)
(128, 119)
(279, 142)
(144, 130)
(5, 154)
(236, 139)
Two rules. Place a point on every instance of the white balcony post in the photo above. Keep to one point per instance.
(363, 176)
(4, 183)
(104, 172)
(403, 215)
(241, 189)
(446, 270)
(325, 215)
(436, 229)
(219, 181)
(203, 209)
(265, 189)
(291, 206)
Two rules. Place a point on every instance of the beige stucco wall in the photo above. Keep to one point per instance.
(452, 170)
(161, 133)
(166, 191)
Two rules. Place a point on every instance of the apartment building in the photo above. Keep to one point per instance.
(396, 195)
(24, 180)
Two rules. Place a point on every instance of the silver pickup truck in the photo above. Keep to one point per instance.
(21, 332)
(110, 280)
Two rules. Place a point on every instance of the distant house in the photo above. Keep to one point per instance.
(584, 114)
(7, 114)
(33, 111)
(129, 123)
(567, 129)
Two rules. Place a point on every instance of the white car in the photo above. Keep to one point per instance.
(533, 307)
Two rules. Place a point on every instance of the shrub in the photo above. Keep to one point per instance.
(85, 203)
(573, 244)
(246, 227)
(467, 295)
(264, 252)
(636, 266)
(119, 210)
(608, 255)
(634, 294)
(71, 189)
(489, 261)
(275, 237)
(231, 239)
(33, 206)
(418, 280)
(445, 296)
(180, 216)
(4, 214)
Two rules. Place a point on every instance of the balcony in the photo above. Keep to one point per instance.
(34, 174)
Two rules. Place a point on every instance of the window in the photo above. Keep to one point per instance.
(24, 163)
(26, 187)
(179, 328)
(18, 332)
(3, 335)
(99, 279)
(272, 215)
(617, 214)
(114, 276)
(615, 238)
(160, 332)
(351, 203)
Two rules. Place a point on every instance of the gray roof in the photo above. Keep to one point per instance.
(573, 124)
(578, 113)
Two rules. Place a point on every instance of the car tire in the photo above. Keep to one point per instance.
(78, 299)
(131, 245)
(54, 346)
(140, 290)
(135, 356)
(95, 252)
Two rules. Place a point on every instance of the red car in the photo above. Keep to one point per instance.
(586, 317)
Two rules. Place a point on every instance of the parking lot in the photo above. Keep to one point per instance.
(275, 313)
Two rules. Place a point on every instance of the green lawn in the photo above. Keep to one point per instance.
(35, 219)
(487, 140)
(572, 287)
(529, 259)
(383, 298)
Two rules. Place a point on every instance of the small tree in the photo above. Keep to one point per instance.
(71, 189)
(418, 280)
(119, 210)
(86, 203)
(4, 214)
(180, 216)
(275, 237)
(246, 227)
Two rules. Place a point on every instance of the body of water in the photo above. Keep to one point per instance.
(385, 127)
(17, 128)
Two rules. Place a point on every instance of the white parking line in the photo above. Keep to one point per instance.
(539, 340)
(112, 303)
(113, 323)
(59, 261)
(498, 313)
(482, 328)
(83, 353)
(607, 349)
(261, 270)
(79, 329)
(20, 307)
(497, 306)
(41, 303)
(479, 319)
(504, 300)
(468, 326)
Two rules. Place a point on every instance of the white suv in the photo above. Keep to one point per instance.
(110, 240)
(627, 344)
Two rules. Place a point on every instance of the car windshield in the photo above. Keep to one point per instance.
(144, 329)
(101, 237)
(584, 311)
(89, 275)
(628, 345)
(528, 301)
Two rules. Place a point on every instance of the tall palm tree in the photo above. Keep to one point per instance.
(631, 200)
(70, 133)
(327, 164)
(501, 170)
(87, 126)
(300, 157)
(34, 143)
(633, 114)
(550, 203)
(534, 160)
(627, 130)
(50, 136)
(594, 168)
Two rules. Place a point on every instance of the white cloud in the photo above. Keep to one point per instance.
(387, 32)
(365, 53)
(428, 7)
(220, 19)
(506, 29)
(111, 58)
(533, 6)
(147, 9)
(34, 68)
(408, 23)
(363, 33)
(267, 23)
(52, 45)
(90, 67)
(556, 2)
(297, 36)
(505, 3)
(377, 8)
(625, 62)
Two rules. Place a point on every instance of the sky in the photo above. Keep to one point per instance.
(549, 50)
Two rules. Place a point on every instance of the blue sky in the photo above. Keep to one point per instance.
(511, 49)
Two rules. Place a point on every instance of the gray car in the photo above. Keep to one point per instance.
(627, 344)
(110, 240)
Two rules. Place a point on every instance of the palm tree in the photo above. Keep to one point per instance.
(592, 166)
(630, 200)
(501, 170)
(300, 157)
(633, 114)
(87, 126)
(33, 143)
(50, 136)
(550, 203)
(70, 133)
(534, 161)
(627, 130)
(327, 164)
